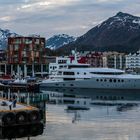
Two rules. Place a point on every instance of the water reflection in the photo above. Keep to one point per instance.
(21, 131)
(100, 94)
(86, 114)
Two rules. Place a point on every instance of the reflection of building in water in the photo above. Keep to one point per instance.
(72, 102)
(100, 95)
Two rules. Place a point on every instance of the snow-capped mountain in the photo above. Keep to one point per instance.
(58, 41)
(118, 33)
(4, 34)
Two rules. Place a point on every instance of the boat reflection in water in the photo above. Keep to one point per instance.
(84, 99)
(21, 131)
(98, 94)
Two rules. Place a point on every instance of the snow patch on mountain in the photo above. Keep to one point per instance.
(136, 21)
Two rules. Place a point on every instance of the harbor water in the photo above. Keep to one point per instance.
(103, 120)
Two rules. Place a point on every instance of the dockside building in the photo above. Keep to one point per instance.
(26, 55)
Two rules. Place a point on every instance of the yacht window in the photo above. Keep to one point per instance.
(101, 80)
(115, 80)
(68, 73)
(62, 61)
(77, 72)
(78, 66)
(84, 73)
(97, 80)
(60, 73)
(77, 102)
(105, 97)
(60, 66)
(119, 80)
(97, 97)
(71, 84)
(105, 80)
(122, 80)
(122, 98)
(110, 80)
(101, 97)
(107, 73)
(84, 102)
(68, 79)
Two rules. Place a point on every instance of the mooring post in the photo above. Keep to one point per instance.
(8, 93)
(28, 98)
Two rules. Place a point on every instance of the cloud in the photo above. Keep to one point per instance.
(5, 18)
(109, 1)
(48, 17)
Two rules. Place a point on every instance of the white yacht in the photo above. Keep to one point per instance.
(66, 74)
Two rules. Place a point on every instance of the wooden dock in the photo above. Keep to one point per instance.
(11, 115)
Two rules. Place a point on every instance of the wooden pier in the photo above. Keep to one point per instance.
(28, 114)
(19, 114)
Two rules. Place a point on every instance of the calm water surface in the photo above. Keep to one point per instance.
(98, 123)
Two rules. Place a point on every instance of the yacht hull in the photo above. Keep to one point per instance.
(95, 83)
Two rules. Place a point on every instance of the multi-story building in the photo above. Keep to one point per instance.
(95, 59)
(133, 60)
(92, 58)
(26, 55)
(102, 59)
(115, 60)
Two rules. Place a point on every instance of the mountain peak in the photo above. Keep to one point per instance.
(118, 33)
(121, 14)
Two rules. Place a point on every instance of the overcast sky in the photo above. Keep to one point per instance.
(49, 17)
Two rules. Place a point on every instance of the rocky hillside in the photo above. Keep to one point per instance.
(118, 33)
(58, 41)
(4, 34)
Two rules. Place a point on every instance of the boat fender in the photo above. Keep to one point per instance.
(8, 118)
(34, 116)
(21, 117)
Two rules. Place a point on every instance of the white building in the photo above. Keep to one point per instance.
(133, 60)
